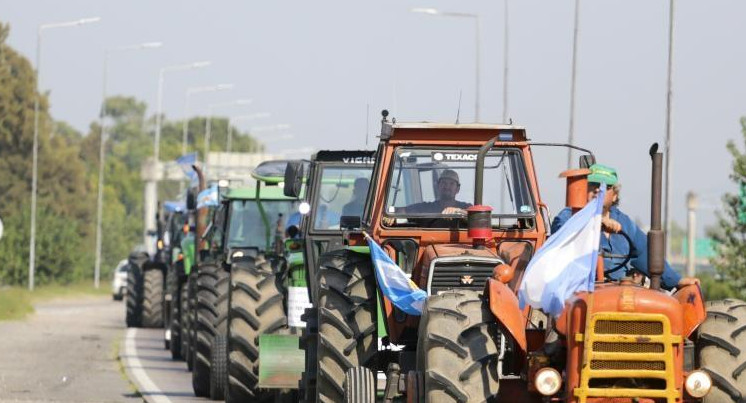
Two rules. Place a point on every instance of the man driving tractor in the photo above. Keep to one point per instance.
(615, 248)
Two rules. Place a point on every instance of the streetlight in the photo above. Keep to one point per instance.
(101, 154)
(235, 119)
(208, 123)
(163, 71)
(35, 152)
(669, 100)
(190, 92)
(571, 131)
(435, 11)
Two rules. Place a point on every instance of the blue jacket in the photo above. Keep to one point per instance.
(617, 245)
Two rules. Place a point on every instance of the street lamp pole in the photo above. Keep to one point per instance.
(433, 11)
(151, 182)
(102, 155)
(505, 65)
(571, 131)
(669, 100)
(35, 150)
(189, 93)
(235, 119)
(208, 123)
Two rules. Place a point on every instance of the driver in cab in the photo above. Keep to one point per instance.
(446, 203)
(448, 187)
(614, 246)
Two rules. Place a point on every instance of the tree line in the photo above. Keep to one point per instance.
(68, 176)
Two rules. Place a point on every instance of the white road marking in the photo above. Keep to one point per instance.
(144, 383)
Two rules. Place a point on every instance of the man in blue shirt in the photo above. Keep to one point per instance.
(614, 246)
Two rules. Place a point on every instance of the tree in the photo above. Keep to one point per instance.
(730, 233)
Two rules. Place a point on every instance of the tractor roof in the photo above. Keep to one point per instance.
(270, 171)
(249, 193)
(345, 156)
(452, 132)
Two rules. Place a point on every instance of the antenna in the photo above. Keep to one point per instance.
(367, 123)
(458, 111)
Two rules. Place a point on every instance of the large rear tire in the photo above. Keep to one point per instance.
(256, 308)
(152, 302)
(458, 348)
(721, 347)
(211, 320)
(346, 319)
(134, 296)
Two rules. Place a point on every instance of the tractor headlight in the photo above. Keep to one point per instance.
(698, 384)
(548, 381)
(237, 254)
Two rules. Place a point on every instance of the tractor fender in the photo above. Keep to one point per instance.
(504, 305)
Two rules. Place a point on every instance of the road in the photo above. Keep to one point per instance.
(78, 350)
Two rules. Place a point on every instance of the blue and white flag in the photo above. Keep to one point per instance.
(208, 197)
(394, 283)
(185, 162)
(566, 263)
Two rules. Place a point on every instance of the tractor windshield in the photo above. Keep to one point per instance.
(248, 229)
(429, 183)
(342, 192)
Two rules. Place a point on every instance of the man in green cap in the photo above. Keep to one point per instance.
(614, 247)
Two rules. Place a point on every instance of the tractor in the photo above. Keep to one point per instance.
(336, 188)
(247, 228)
(472, 342)
(145, 280)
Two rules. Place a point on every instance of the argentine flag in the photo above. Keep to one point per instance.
(208, 197)
(185, 162)
(566, 263)
(394, 283)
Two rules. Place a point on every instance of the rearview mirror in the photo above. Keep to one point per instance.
(293, 179)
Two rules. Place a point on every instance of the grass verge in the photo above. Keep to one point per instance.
(18, 302)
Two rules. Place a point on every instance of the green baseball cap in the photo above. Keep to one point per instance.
(602, 173)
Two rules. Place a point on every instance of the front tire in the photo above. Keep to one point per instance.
(218, 367)
(152, 302)
(458, 348)
(211, 320)
(175, 315)
(347, 323)
(721, 347)
(256, 308)
(134, 296)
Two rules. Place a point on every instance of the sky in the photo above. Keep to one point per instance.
(328, 67)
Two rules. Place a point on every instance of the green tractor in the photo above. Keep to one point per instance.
(336, 188)
(247, 226)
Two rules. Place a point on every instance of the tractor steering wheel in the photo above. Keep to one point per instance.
(627, 257)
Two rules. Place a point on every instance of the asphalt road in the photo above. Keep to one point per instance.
(79, 350)
(66, 352)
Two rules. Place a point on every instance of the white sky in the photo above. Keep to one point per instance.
(316, 65)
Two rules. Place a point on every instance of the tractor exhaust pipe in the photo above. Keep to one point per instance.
(656, 235)
(201, 213)
(479, 217)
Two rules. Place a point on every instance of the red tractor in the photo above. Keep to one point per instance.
(473, 343)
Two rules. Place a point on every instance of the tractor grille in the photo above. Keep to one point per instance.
(628, 327)
(627, 355)
(459, 275)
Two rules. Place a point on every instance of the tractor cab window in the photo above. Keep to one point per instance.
(247, 228)
(342, 192)
(434, 187)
